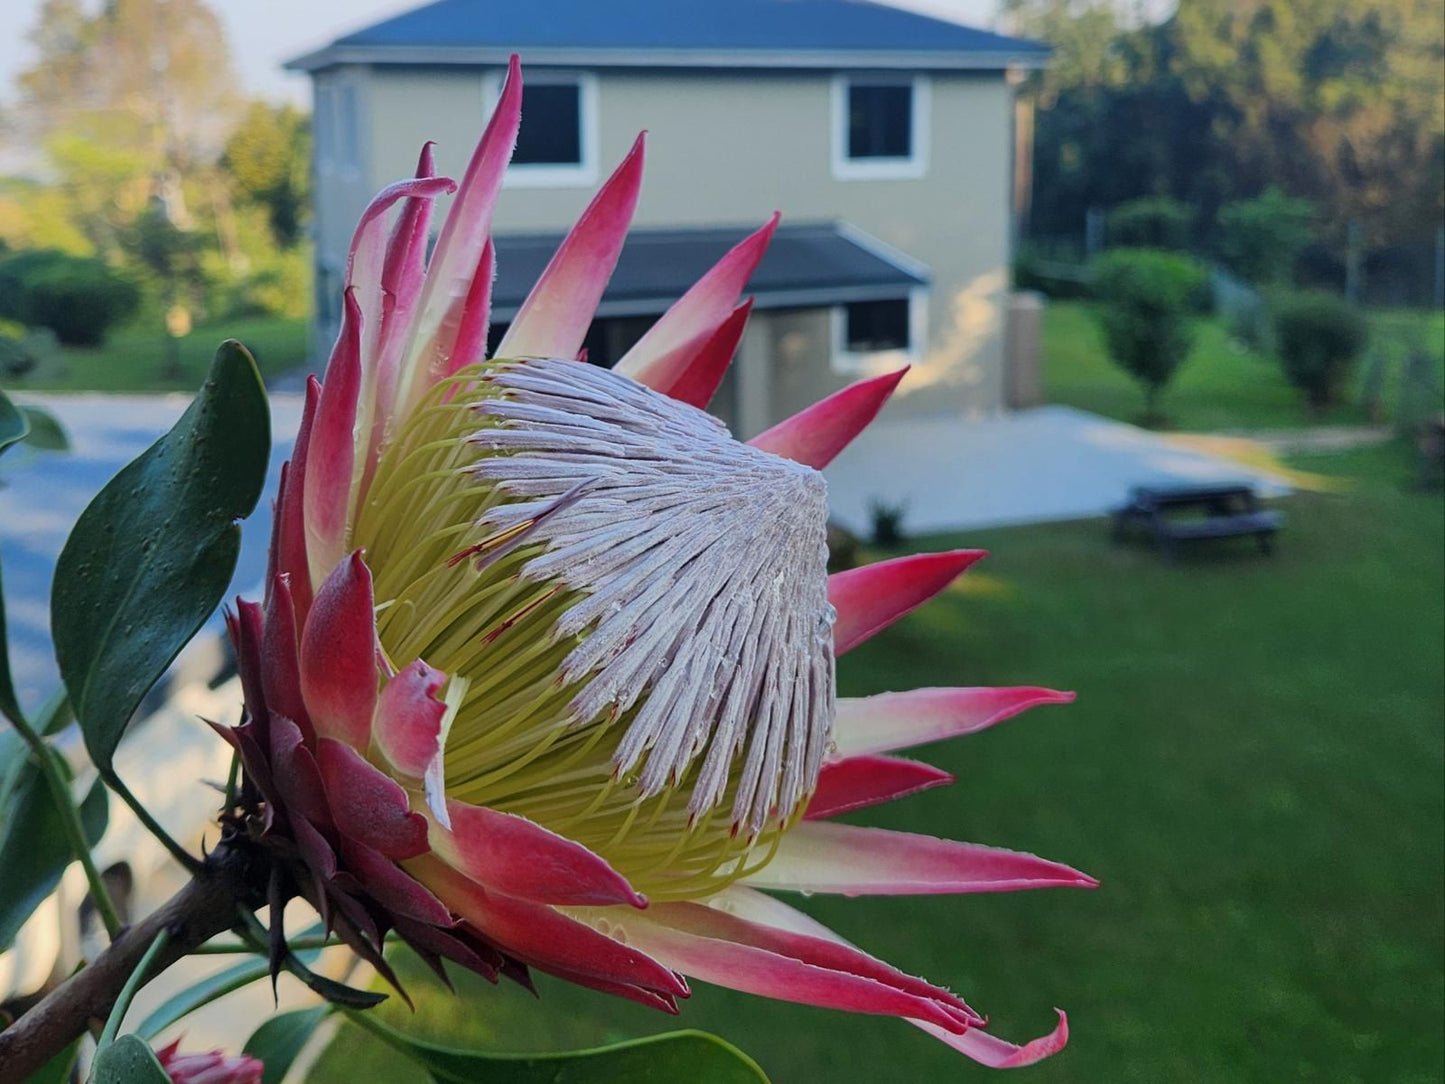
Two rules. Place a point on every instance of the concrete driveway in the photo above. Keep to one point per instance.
(42, 493)
(1032, 466)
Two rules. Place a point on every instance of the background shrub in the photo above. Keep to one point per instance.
(79, 299)
(1154, 222)
(1260, 238)
(1319, 336)
(1146, 299)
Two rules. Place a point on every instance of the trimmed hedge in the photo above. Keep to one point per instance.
(79, 299)
(1319, 338)
(1147, 298)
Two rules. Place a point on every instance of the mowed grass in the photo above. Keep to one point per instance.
(1253, 770)
(135, 359)
(1220, 385)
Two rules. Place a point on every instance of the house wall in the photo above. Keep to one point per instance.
(729, 148)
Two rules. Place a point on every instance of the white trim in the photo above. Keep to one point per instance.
(582, 175)
(912, 167)
(910, 60)
(884, 251)
(876, 362)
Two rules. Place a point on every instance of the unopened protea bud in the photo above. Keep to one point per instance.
(544, 676)
(213, 1067)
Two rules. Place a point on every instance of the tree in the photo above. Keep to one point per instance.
(1341, 102)
(131, 105)
(1336, 100)
(1259, 238)
(267, 159)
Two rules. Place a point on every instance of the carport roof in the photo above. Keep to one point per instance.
(806, 266)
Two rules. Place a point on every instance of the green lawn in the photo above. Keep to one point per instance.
(134, 360)
(1219, 386)
(1253, 770)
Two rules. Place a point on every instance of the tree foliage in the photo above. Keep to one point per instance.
(1340, 102)
(1150, 222)
(151, 161)
(267, 158)
(1259, 238)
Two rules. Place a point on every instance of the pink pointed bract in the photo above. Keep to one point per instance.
(544, 673)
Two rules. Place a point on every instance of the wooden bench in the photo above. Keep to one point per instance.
(1229, 511)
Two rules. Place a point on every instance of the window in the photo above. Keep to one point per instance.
(874, 336)
(880, 127)
(873, 326)
(557, 142)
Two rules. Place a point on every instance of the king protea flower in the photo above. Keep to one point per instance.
(544, 676)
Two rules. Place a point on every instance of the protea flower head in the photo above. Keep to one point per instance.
(544, 675)
(214, 1067)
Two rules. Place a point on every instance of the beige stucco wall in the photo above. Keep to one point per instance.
(729, 148)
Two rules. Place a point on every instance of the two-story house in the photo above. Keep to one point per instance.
(886, 138)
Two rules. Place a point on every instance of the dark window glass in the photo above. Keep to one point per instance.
(877, 325)
(880, 121)
(551, 132)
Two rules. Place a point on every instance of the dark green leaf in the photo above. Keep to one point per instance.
(693, 1056)
(57, 1069)
(46, 432)
(152, 555)
(278, 1041)
(204, 991)
(13, 422)
(9, 703)
(33, 847)
(128, 1061)
(336, 992)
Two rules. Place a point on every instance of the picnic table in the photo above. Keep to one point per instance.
(1175, 514)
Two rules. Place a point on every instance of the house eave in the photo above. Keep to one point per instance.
(828, 60)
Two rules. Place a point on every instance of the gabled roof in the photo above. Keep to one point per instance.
(806, 265)
(675, 33)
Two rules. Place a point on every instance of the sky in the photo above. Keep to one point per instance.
(263, 33)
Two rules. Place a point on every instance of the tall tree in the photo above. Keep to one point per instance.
(1338, 100)
(267, 159)
(131, 104)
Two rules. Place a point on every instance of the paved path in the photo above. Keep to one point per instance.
(1033, 466)
(42, 493)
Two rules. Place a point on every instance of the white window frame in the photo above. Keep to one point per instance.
(538, 175)
(911, 167)
(876, 362)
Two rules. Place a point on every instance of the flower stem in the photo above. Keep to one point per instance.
(208, 905)
(49, 762)
(127, 994)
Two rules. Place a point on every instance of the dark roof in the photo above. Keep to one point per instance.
(806, 265)
(721, 33)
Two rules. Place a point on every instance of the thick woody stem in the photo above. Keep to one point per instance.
(206, 906)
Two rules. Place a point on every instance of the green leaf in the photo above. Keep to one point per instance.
(57, 1069)
(128, 1061)
(203, 992)
(152, 555)
(34, 850)
(278, 1041)
(694, 1056)
(46, 432)
(9, 703)
(13, 422)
